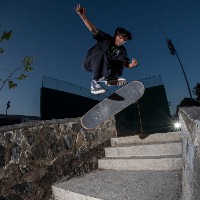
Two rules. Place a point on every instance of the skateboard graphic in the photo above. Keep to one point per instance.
(113, 104)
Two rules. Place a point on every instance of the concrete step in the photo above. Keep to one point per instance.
(145, 150)
(147, 139)
(142, 163)
(121, 185)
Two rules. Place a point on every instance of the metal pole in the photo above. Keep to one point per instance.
(174, 52)
(7, 107)
(141, 129)
(184, 75)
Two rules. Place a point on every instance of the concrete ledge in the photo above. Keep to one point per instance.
(35, 155)
(122, 185)
(147, 139)
(190, 120)
(63, 194)
(140, 164)
(145, 150)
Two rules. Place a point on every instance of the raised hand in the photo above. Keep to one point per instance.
(82, 13)
(80, 10)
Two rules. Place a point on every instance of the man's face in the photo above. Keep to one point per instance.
(120, 40)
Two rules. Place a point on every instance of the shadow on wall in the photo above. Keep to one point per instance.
(149, 115)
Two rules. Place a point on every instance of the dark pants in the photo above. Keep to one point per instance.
(98, 64)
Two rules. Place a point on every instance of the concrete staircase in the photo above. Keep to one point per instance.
(141, 167)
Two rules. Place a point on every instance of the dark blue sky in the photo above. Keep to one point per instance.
(52, 32)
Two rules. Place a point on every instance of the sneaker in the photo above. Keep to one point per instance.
(115, 81)
(96, 88)
(103, 79)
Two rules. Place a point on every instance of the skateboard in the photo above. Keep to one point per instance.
(113, 104)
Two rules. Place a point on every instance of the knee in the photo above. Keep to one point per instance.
(87, 67)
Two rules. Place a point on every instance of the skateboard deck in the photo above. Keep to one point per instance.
(113, 104)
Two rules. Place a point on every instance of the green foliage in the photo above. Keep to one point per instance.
(21, 71)
(187, 102)
(1, 50)
(196, 91)
(6, 35)
(27, 61)
(11, 84)
(22, 77)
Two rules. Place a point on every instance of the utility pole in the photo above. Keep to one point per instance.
(8, 106)
(174, 52)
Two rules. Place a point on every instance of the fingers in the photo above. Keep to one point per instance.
(134, 63)
(77, 8)
(80, 9)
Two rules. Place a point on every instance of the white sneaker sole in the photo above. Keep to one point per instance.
(98, 91)
(117, 82)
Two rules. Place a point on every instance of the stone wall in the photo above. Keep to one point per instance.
(190, 120)
(34, 156)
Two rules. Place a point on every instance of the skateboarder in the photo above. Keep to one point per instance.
(108, 57)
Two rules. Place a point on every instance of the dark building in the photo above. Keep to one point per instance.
(6, 120)
(149, 115)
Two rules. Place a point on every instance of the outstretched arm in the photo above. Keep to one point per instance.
(82, 13)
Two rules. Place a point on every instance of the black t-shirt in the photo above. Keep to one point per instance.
(117, 55)
(112, 51)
